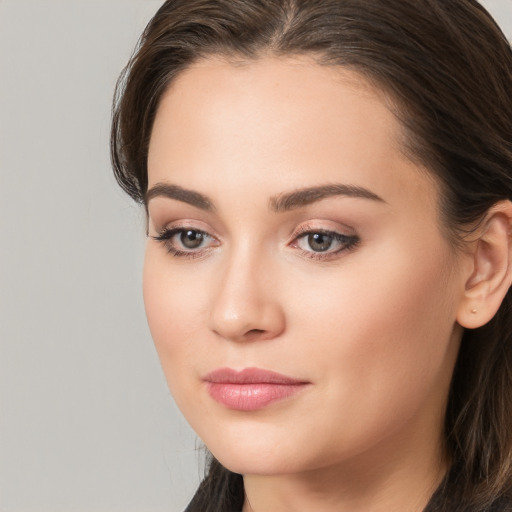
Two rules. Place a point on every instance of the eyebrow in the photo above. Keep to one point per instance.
(305, 196)
(180, 194)
(280, 203)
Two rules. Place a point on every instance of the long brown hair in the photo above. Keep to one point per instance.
(448, 69)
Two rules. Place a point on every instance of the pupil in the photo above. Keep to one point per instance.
(319, 242)
(191, 239)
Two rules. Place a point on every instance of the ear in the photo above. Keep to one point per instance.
(491, 275)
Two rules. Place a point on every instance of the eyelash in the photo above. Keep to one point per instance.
(348, 242)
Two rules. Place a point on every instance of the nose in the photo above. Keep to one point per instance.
(244, 304)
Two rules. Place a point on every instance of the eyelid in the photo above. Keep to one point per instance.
(180, 223)
(322, 227)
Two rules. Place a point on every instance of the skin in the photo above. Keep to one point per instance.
(372, 328)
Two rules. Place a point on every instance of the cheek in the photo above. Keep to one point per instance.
(383, 334)
(388, 302)
(175, 315)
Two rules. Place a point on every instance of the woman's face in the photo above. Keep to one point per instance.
(290, 235)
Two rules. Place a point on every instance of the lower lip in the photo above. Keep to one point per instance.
(251, 397)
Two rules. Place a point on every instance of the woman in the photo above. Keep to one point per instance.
(327, 272)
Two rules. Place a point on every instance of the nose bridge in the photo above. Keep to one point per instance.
(243, 305)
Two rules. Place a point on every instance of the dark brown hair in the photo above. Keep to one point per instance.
(448, 69)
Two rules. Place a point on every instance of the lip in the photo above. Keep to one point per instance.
(252, 388)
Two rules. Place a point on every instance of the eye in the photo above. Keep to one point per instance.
(185, 242)
(322, 244)
(191, 239)
(318, 242)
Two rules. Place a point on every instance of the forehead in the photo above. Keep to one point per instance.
(215, 97)
(278, 122)
(278, 92)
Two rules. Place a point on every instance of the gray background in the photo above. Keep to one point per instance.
(86, 421)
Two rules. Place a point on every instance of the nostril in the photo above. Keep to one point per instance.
(254, 334)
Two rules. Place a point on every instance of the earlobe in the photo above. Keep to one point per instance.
(491, 275)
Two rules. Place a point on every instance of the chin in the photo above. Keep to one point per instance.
(256, 464)
(263, 455)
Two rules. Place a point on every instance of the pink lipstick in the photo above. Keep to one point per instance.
(250, 389)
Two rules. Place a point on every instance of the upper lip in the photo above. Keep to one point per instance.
(249, 376)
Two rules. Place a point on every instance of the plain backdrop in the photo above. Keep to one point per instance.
(86, 421)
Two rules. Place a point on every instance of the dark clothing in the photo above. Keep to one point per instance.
(500, 505)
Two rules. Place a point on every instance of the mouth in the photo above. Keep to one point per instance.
(251, 389)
